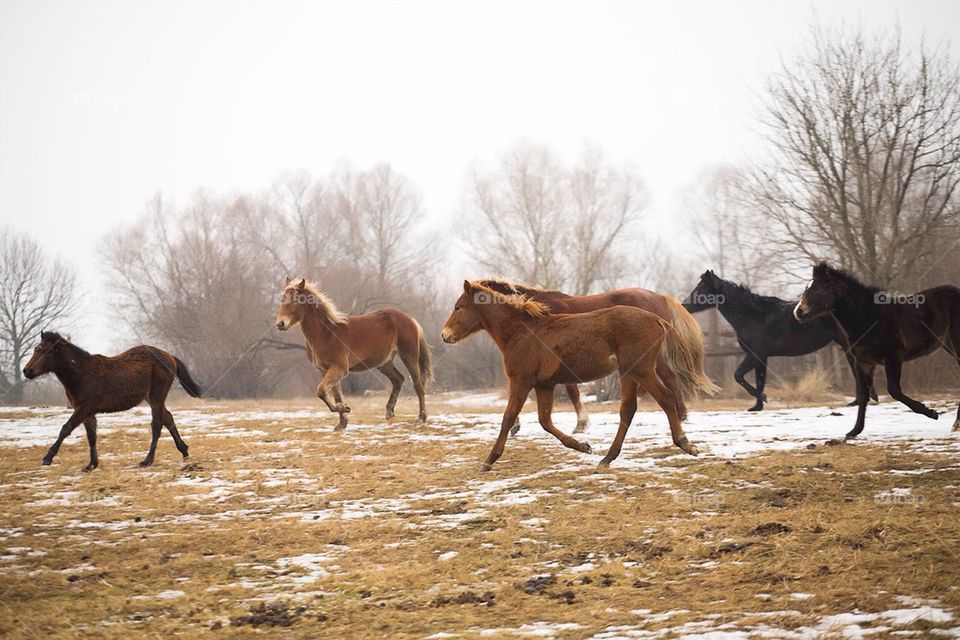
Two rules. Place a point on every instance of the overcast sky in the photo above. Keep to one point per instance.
(102, 104)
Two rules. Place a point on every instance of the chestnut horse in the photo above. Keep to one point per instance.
(103, 384)
(664, 306)
(541, 350)
(339, 344)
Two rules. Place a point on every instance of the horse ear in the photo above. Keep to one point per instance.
(44, 335)
(288, 281)
(820, 268)
(467, 287)
(302, 284)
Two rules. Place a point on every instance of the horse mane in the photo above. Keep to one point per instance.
(850, 281)
(755, 301)
(510, 294)
(56, 338)
(508, 287)
(319, 300)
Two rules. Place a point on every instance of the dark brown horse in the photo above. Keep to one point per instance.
(666, 307)
(885, 328)
(104, 384)
(338, 344)
(541, 350)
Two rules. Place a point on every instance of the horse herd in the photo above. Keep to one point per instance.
(549, 338)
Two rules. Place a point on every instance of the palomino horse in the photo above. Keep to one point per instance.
(765, 327)
(541, 350)
(885, 328)
(666, 307)
(102, 384)
(338, 344)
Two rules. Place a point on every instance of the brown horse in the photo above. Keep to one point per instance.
(338, 344)
(103, 384)
(541, 350)
(667, 307)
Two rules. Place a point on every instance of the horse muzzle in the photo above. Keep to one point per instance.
(447, 336)
(282, 326)
(28, 373)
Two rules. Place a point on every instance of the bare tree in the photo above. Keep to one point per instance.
(725, 231)
(553, 226)
(35, 292)
(866, 141)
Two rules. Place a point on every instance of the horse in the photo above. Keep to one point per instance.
(667, 307)
(338, 344)
(765, 327)
(541, 350)
(108, 384)
(885, 328)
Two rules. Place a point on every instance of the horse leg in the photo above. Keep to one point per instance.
(670, 379)
(866, 374)
(413, 367)
(863, 387)
(174, 433)
(761, 375)
(583, 418)
(665, 398)
(330, 384)
(748, 364)
(75, 419)
(545, 414)
(628, 408)
(396, 379)
(893, 369)
(90, 424)
(338, 398)
(515, 429)
(156, 426)
(955, 352)
(517, 396)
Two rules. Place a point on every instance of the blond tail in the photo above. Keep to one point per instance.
(684, 351)
(425, 360)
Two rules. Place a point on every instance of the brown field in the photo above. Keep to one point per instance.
(277, 523)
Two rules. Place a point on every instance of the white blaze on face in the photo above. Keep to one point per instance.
(796, 309)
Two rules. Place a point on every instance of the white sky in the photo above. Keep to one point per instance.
(103, 104)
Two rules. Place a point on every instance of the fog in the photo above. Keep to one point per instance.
(103, 104)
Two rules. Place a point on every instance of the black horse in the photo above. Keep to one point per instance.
(765, 327)
(884, 328)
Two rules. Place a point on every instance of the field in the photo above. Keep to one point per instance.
(278, 524)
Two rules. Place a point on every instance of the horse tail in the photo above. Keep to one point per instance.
(425, 360)
(188, 383)
(684, 352)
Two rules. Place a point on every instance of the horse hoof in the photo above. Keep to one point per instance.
(686, 447)
(486, 466)
(422, 418)
(956, 426)
(850, 436)
(603, 466)
(89, 468)
(389, 416)
(339, 427)
(932, 414)
(580, 428)
(584, 448)
(515, 430)
(756, 407)
(45, 462)
(146, 463)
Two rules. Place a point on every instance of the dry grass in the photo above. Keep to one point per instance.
(383, 506)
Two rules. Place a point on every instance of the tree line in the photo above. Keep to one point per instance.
(861, 168)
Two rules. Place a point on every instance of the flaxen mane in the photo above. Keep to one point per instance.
(320, 300)
(514, 300)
